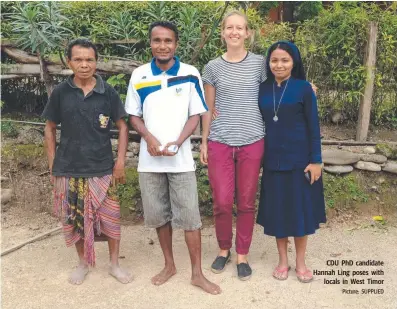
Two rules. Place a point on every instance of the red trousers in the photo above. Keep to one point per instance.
(234, 173)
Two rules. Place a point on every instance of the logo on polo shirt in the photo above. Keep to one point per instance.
(178, 91)
(103, 121)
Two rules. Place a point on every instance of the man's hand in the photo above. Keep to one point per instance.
(314, 87)
(118, 173)
(315, 171)
(204, 153)
(153, 146)
(168, 153)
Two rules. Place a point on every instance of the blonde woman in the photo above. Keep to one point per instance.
(233, 144)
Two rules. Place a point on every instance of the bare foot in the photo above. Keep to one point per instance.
(206, 285)
(78, 275)
(164, 275)
(120, 274)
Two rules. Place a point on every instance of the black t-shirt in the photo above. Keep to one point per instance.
(85, 149)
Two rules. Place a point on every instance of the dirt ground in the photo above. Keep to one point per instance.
(36, 275)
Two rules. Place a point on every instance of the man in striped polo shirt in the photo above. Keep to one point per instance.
(168, 95)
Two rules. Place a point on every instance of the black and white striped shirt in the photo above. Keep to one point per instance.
(239, 120)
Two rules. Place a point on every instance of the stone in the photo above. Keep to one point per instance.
(338, 169)
(376, 158)
(129, 154)
(115, 144)
(30, 135)
(380, 180)
(367, 166)
(336, 117)
(3, 178)
(391, 167)
(134, 147)
(131, 162)
(387, 150)
(369, 150)
(6, 195)
(339, 157)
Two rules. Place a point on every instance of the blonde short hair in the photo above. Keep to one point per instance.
(251, 38)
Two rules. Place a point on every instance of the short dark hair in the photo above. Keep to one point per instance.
(164, 24)
(83, 43)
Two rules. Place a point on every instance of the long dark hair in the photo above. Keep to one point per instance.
(298, 71)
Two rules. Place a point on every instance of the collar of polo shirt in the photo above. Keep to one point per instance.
(171, 71)
(99, 86)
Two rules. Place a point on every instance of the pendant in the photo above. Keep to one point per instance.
(275, 118)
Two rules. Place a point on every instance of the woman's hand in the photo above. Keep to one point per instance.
(315, 171)
(204, 153)
(215, 114)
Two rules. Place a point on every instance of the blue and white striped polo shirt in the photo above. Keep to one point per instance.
(166, 100)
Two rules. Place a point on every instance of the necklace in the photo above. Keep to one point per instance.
(275, 118)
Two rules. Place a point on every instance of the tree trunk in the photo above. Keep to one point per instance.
(45, 75)
(366, 101)
(23, 70)
(288, 11)
(114, 65)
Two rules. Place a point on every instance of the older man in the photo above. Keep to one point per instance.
(82, 168)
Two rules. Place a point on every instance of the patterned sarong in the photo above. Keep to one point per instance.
(87, 206)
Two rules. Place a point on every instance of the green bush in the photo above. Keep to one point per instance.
(8, 129)
(332, 42)
(333, 48)
(129, 192)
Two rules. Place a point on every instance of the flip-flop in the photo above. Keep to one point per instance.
(302, 276)
(281, 271)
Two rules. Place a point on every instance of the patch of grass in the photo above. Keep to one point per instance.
(24, 156)
(129, 193)
(343, 191)
(8, 129)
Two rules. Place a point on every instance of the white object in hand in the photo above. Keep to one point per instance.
(171, 148)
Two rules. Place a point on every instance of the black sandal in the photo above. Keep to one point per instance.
(244, 271)
(220, 262)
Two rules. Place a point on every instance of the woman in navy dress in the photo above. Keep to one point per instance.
(291, 203)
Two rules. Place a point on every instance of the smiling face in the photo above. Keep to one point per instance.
(281, 64)
(235, 31)
(163, 44)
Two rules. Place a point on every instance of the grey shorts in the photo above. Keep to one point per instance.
(170, 197)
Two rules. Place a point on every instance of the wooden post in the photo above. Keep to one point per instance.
(366, 100)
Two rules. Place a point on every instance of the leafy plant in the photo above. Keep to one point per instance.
(8, 129)
(119, 83)
(129, 192)
(38, 27)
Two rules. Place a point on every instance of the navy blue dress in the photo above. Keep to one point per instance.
(289, 205)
